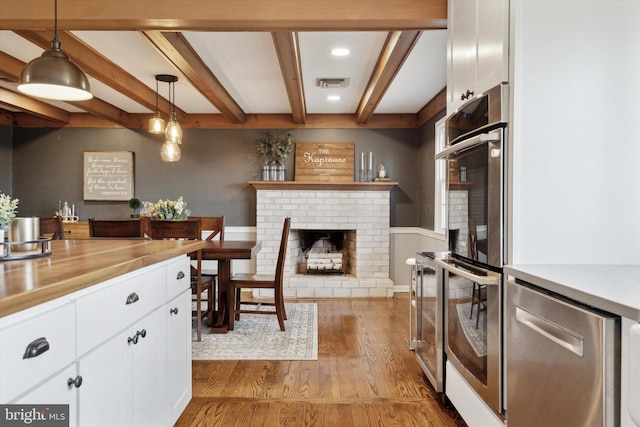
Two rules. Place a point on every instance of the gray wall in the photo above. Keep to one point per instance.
(6, 159)
(212, 174)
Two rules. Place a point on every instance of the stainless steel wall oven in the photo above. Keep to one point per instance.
(472, 275)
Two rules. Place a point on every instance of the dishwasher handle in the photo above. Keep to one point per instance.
(492, 280)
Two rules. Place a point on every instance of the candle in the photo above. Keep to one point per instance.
(362, 161)
(370, 160)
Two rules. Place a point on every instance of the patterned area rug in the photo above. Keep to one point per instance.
(477, 337)
(258, 337)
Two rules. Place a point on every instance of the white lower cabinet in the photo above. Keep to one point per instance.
(59, 390)
(178, 361)
(122, 380)
(137, 374)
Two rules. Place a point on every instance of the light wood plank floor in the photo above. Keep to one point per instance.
(365, 375)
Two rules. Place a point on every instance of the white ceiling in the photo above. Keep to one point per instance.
(247, 65)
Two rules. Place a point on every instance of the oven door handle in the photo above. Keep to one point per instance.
(468, 143)
(481, 280)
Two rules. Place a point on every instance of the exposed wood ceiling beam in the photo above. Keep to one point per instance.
(99, 67)
(33, 106)
(10, 67)
(178, 50)
(396, 49)
(229, 15)
(434, 107)
(288, 51)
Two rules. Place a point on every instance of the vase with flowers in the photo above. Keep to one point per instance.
(170, 209)
(8, 211)
(274, 149)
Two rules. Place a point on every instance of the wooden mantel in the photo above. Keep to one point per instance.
(329, 186)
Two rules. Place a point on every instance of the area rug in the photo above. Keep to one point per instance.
(258, 337)
(477, 338)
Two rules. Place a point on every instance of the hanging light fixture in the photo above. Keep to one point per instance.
(170, 151)
(53, 75)
(156, 123)
(173, 133)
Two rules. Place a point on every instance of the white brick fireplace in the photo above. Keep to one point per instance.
(362, 209)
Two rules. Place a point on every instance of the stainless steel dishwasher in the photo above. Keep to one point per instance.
(563, 364)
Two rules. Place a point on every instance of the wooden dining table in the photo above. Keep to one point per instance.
(225, 251)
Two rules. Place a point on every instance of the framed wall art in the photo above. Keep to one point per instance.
(108, 175)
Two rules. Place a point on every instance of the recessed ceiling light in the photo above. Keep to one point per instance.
(333, 98)
(340, 51)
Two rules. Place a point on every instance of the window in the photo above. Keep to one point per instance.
(440, 203)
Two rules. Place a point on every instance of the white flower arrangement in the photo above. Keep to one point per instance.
(170, 209)
(8, 210)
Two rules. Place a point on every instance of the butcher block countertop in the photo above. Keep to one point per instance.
(77, 264)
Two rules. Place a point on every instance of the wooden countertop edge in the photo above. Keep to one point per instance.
(21, 301)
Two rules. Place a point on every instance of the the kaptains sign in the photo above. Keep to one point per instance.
(324, 162)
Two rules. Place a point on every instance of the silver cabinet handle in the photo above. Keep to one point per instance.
(173, 310)
(556, 333)
(77, 381)
(36, 348)
(180, 275)
(133, 297)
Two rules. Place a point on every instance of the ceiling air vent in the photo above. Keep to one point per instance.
(333, 82)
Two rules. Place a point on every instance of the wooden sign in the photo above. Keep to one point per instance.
(108, 175)
(324, 162)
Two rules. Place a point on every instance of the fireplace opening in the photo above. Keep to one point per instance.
(323, 251)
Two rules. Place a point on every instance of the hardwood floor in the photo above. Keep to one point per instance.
(365, 375)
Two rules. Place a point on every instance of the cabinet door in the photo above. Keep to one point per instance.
(492, 65)
(56, 391)
(461, 72)
(178, 360)
(106, 393)
(146, 369)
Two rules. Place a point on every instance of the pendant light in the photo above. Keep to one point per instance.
(173, 133)
(156, 123)
(170, 151)
(53, 75)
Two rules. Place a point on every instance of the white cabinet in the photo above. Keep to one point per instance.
(34, 347)
(477, 48)
(119, 353)
(178, 361)
(177, 315)
(59, 390)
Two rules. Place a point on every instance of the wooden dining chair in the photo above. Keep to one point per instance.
(124, 228)
(189, 229)
(52, 227)
(262, 281)
(212, 229)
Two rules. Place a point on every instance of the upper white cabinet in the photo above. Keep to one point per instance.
(477, 51)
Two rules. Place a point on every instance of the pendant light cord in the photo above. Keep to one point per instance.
(55, 43)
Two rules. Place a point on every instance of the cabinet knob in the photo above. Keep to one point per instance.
(133, 339)
(180, 275)
(133, 297)
(173, 310)
(77, 381)
(142, 333)
(466, 95)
